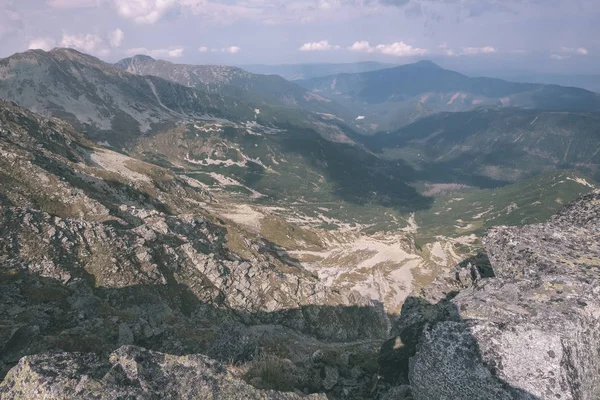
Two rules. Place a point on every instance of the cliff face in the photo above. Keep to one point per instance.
(524, 324)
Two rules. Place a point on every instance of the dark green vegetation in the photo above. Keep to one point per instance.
(472, 211)
(287, 166)
(496, 144)
(396, 96)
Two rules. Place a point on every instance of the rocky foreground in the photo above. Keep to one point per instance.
(520, 322)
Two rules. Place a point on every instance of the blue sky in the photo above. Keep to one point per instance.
(544, 35)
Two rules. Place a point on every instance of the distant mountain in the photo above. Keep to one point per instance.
(106, 102)
(507, 144)
(114, 105)
(393, 97)
(234, 82)
(588, 82)
(294, 72)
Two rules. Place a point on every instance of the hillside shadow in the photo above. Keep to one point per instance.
(357, 176)
(79, 316)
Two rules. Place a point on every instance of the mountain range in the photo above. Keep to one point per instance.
(153, 211)
(233, 82)
(293, 72)
(389, 98)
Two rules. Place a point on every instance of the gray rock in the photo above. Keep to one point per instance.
(130, 372)
(125, 335)
(331, 377)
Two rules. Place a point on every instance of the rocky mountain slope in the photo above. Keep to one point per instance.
(235, 83)
(393, 97)
(109, 104)
(522, 324)
(98, 250)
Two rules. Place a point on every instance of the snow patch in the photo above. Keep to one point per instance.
(581, 181)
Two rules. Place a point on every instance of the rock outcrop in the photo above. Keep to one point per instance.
(130, 372)
(529, 330)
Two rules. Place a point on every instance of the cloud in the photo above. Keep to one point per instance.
(172, 52)
(398, 49)
(144, 11)
(579, 50)
(318, 46)
(73, 3)
(362, 46)
(203, 49)
(231, 50)
(558, 57)
(88, 43)
(116, 38)
(42, 44)
(469, 51)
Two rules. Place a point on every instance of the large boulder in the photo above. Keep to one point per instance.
(132, 373)
(530, 330)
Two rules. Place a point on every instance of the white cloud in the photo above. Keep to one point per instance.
(87, 43)
(42, 43)
(203, 49)
(231, 50)
(579, 50)
(144, 11)
(558, 57)
(469, 51)
(173, 52)
(116, 38)
(362, 46)
(318, 46)
(398, 49)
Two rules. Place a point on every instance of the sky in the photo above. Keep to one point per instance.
(561, 36)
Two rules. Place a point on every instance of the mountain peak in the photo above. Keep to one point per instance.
(426, 64)
(142, 58)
